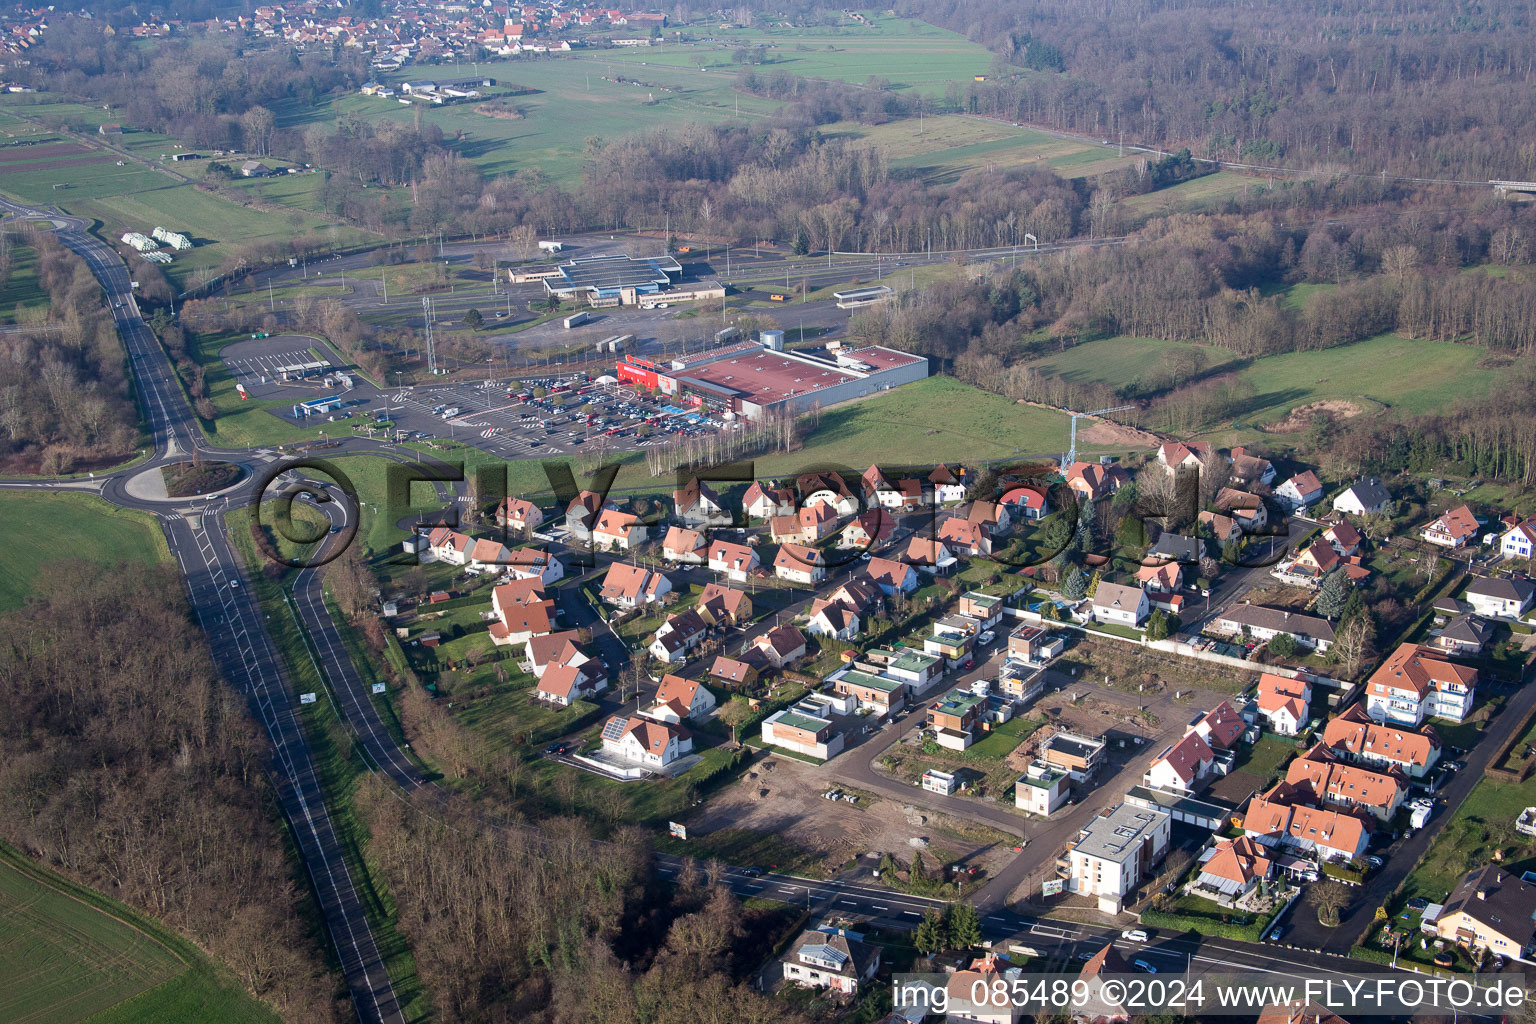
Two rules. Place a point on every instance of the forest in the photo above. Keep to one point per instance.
(1432, 89)
(131, 767)
(65, 398)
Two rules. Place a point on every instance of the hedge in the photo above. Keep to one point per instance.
(1208, 927)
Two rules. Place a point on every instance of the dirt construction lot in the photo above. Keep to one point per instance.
(836, 831)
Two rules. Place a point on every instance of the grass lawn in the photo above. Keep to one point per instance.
(1484, 822)
(215, 225)
(21, 295)
(1190, 195)
(251, 423)
(1265, 757)
(76, 526)
(71, 954)
(1415, 376)
(999, 743)
(1122, 361)
(943, 147)
(934, 420)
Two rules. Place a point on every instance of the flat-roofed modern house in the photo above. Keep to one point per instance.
(1115, 852)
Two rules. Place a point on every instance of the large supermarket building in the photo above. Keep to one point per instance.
(758, 383)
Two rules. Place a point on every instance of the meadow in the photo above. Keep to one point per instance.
(1198, 193)
(71, 954)
(1121, 361)
(934, 420)
(21, 294)
(79, 526)
(1399, 373)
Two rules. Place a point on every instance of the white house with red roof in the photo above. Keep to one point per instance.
(519, 514)
(1182, 767)
(764, 501)
(1177, 455)
(679, 699)
(1519, 541)
(1453, 529)
(618, 531)
(1300, 491)
(1416, 683)
(678, 636)
(533, 563)
(631, 586)
(800, 564)
(1027, 502)
(645, 741)
(1221, 727)
(1284, 703)
(735, 560)
(683, 545)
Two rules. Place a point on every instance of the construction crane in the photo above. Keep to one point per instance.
(1072, 449)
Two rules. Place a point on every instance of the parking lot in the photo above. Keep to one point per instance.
(260, 365)
(556, 415)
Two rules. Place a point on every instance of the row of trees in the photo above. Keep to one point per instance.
(131, 767)
(64, 394)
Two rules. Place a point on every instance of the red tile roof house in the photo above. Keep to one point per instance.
(800, 564)
(1234, 867)
(644, 741)
(445, 545)
(1094, 480)
(1327, 781)
(533, 563)
(966, 538)
(518, 514)
(1183, 455)
(618, 531)
(833, 619)
(720, 605)
(679, 635)
(781, 646)
(696, 504)
(764, 501)
(1027, 502)
(540, 652)
(829, 489)
(679, 699)
(563, 684)
(870, 531)
(581, 514)
(630, 586)
(830, 959)
(1354, 735)
(1299, 491)
(1453, 529)
(522, 611)
(1182, 767)
(1331, 835)
(930, 555)
(733, 671)
(735, 560)
(1284, 703)
(683, 545)
(1221, 727)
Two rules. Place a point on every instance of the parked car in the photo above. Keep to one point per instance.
(987, 636)
(1375, 862)
(1275, 935)
(1144, 967)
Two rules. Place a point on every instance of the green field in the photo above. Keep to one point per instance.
(1120, 362)
(135, 197)
(1190, 195)
(1413, 376)
(934, 420)
(215, 225)
(941, 147)
(909, 54)
(76, 526)
(69, 954)
(21, 295)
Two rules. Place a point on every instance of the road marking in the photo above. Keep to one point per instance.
(912, 913)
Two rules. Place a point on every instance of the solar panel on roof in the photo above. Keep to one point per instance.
(614, 729)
